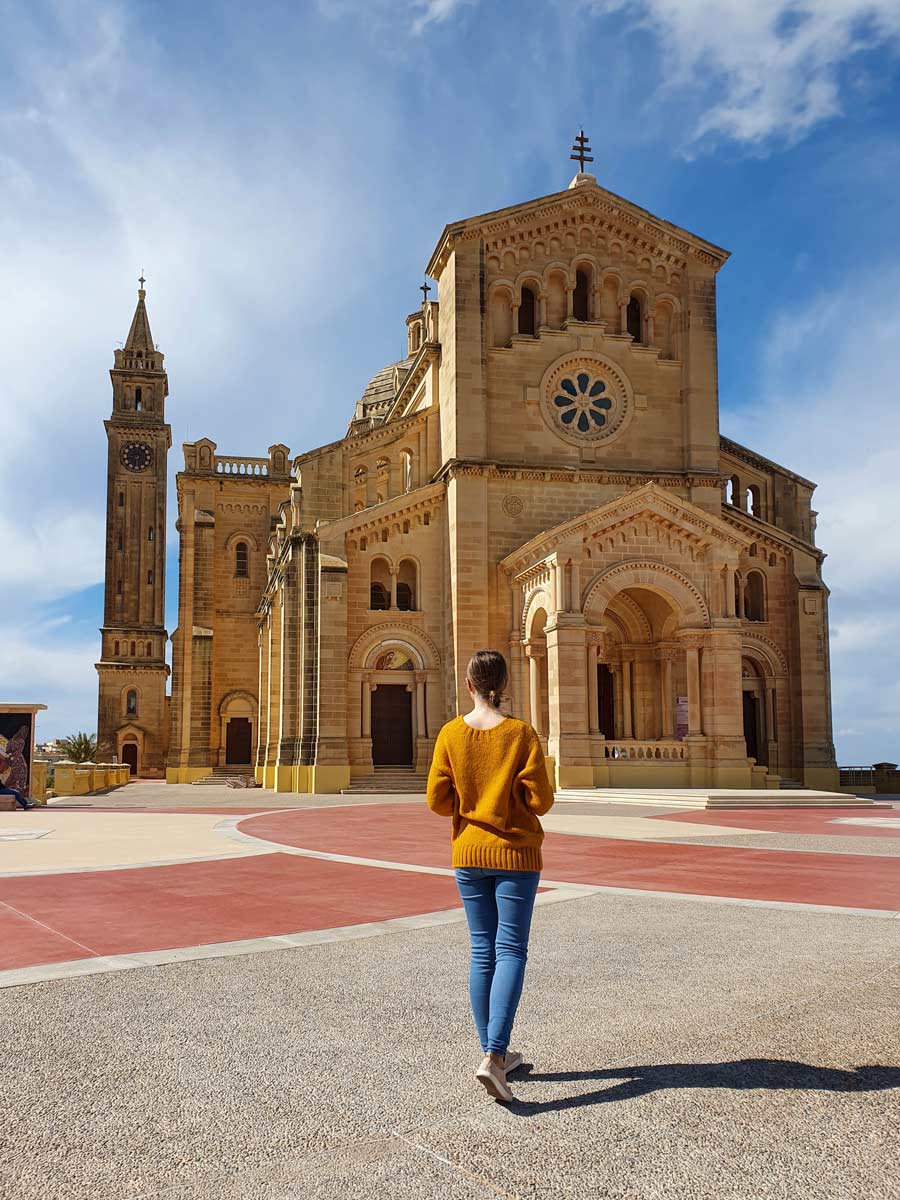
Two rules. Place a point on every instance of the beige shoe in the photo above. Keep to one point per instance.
(513, 1059)
(493, 1078)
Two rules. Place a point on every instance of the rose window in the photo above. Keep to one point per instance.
(582, 402)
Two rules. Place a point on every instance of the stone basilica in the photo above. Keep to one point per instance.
(542, 473)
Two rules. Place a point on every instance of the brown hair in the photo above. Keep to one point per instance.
(488, 674)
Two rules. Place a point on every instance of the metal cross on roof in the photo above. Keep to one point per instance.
(424, 289)
(581, 151)
(142, 280)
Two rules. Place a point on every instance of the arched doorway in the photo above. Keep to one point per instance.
(237, 728)
(391, 713)
(130, 756)
(538, 682)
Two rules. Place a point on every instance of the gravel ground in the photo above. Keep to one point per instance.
(673, 1049)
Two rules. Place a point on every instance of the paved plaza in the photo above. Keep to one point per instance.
(218, 993)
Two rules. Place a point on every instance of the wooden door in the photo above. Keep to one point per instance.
(392, 726)
(238, 742)
(130, 756)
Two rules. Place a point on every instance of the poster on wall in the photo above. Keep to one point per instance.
(681, 717)
(15, 750)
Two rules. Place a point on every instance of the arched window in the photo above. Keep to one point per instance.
(407, 461)
(150, 534)
(379, 585)
(755, 597)
(581, 297)
(241, 561)
(149, 649)
(360, 475)
(501, 317)
(732, 490)
(120, 544)
(406, 585)
(753, 504)
(115, 647)
(121, 499)
(138, 401)
(635, 319)
(527, 308)
(131, 703)
(132, 650)
(149, 576)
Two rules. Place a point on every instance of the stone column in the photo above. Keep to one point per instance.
(542, 309)
(570, 303)
(593, 697)
(695, 724)
(393, 587)
(623, 315)
(534, 686)
(568, 739)
(367, 689)
(728, 576)
(421, 731)
(665, 684)
(627, 727)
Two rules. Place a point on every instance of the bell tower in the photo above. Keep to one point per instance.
(131, 721)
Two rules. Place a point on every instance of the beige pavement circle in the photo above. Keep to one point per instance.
(100, 840)
(631, 828)
(72, 841)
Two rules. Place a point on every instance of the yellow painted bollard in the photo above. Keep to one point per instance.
(39, 780)
(64, 778)
(82, 781)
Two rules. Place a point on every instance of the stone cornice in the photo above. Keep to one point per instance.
(389, 510)
(556, 473)
(429, 356)
(760, 531)
(766, 465)
(612, 213)
(382, 435)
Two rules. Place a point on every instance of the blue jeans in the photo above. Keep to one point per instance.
(498, 908)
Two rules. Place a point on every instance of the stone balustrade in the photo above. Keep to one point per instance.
(229, 465)
(662, 751)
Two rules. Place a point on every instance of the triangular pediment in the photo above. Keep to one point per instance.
(590, 201)
(626, 518)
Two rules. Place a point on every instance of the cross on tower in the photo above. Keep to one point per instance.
(424, 289)
(581, 151)
(142, 280)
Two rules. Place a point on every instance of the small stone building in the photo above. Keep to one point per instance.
(542, 473)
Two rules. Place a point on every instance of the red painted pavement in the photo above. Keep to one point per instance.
(158, 908)
(416, 836)
(788, 820)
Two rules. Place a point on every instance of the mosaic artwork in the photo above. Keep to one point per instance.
(15, 750)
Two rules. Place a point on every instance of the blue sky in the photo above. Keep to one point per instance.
(282, 171)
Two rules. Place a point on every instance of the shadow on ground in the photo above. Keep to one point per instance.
(771, 1074)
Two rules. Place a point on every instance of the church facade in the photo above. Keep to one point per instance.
(542, 473)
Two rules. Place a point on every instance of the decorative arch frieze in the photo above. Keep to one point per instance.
(537, 598)
(764, 650)
(395, 631)
(655, 576)
(229, 698)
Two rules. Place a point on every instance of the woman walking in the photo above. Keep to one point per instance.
(488, 773)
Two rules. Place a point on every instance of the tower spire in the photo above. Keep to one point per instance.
(139, 335)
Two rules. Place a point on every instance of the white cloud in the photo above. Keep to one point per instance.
(60, 675)
(829, 411)
(765, 68)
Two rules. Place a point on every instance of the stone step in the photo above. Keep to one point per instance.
(394, 781)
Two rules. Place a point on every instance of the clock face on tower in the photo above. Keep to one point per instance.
(137, 456)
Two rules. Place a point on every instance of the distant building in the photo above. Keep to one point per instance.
(542, 473)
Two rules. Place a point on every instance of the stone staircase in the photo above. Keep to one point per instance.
(387, 781)
(221, 775)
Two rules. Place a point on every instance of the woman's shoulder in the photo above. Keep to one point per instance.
(520, 729)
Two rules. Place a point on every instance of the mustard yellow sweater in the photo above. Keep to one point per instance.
(493, 783)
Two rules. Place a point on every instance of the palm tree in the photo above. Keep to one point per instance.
(79, 747)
